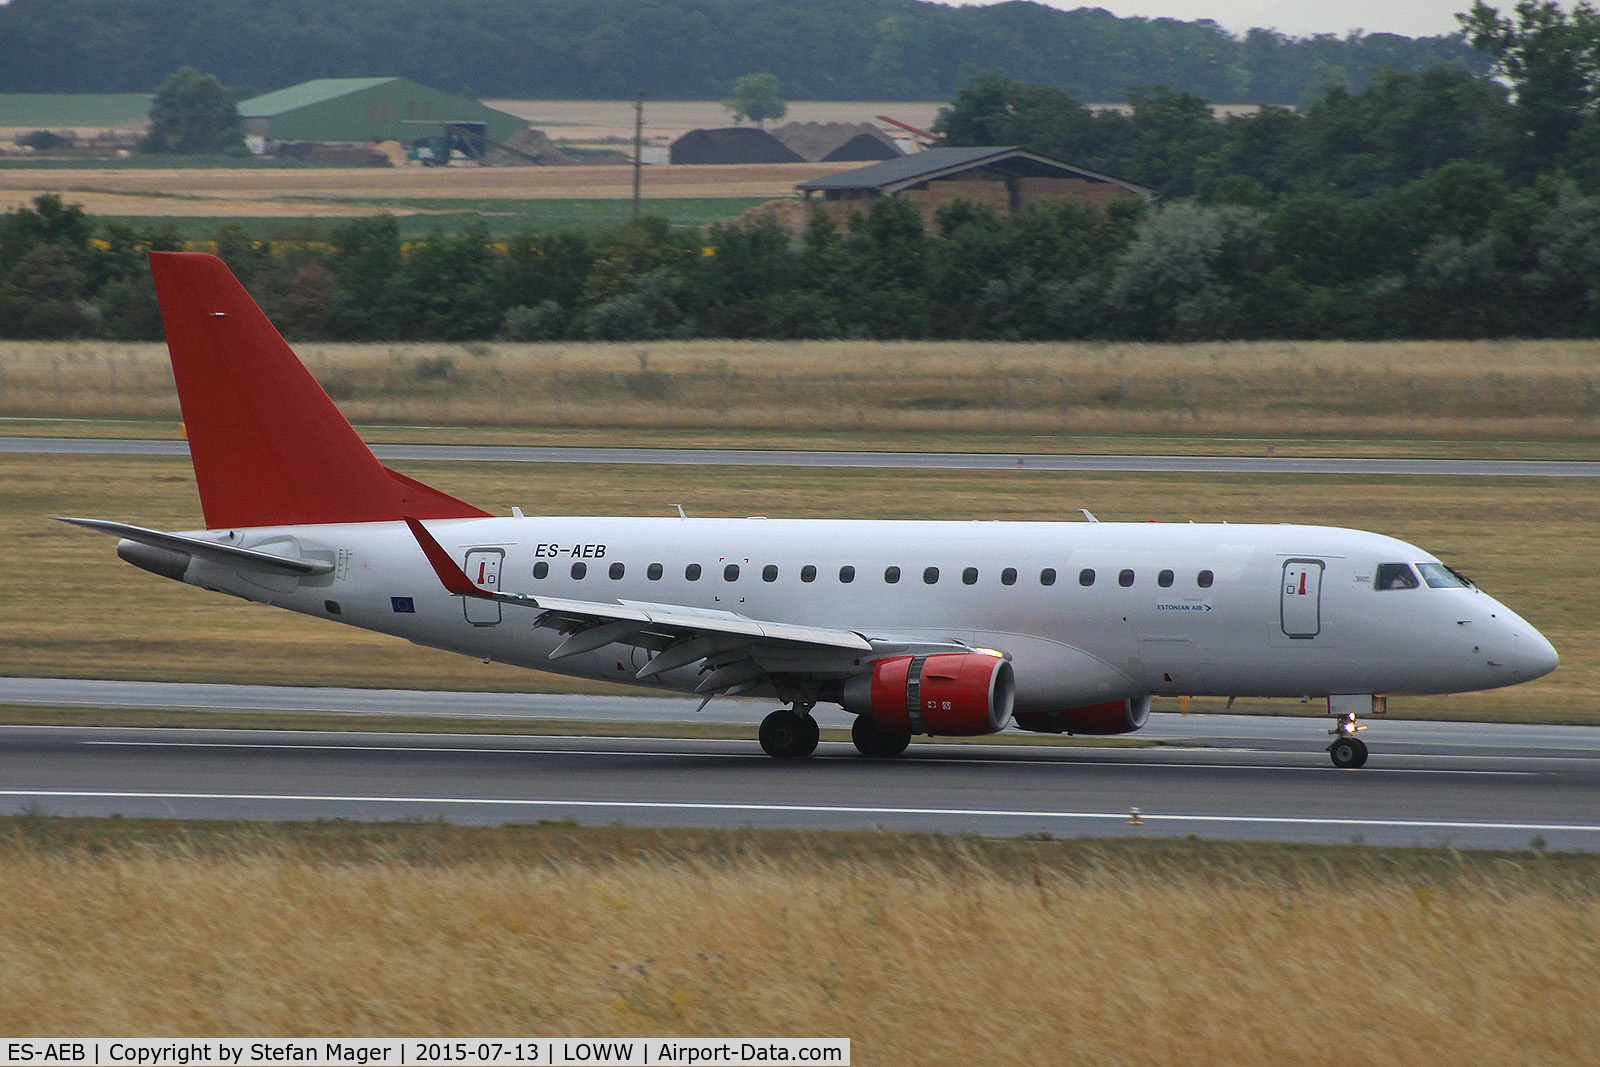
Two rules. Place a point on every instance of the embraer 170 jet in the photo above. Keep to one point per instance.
(944, 628)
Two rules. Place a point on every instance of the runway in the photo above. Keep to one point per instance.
(717, 457)
(1237, 777)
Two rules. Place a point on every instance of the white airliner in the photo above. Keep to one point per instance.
(946, 628)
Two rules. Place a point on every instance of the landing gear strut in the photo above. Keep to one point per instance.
(1347, 750)
(787, 734)
(871, 741)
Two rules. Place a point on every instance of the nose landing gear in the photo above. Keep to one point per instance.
(1348, 750)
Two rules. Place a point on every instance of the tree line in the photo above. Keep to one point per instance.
(1456, 253)
(680, 49)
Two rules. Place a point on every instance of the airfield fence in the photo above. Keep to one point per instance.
(446, 392)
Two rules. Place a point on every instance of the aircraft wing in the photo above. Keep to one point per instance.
(247, 558)
(739, 653)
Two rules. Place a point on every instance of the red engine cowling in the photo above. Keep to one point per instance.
(954, 693)
(1112, 717)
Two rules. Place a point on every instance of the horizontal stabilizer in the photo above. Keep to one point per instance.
(227, 555)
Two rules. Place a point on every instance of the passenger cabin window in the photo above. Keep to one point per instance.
(930, 576)
(891, 575)
(1394, 576)
(580, 569)
(692, 572)
(541, 569)
(969, 576)
(1125, 579)
(1438, 576)
(1047, 576)
(1086, 576)
(730, 573)
(1204, 579)
(808, 573)
(1008, 576)
(769, 573)
(653, 572)
(1164, 579)
(847, 575)
(617, 571)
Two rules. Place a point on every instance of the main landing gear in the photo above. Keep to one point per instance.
(1347, 750)
(872, 741)
(789, 734)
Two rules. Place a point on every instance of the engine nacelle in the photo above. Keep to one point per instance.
(952, 693)
(1112, 717)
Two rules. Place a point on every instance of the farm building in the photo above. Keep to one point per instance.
(731, 144)
(359, 110)
(1004, 179)
(837, 142)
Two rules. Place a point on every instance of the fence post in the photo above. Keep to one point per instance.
(1122, 405)
(116, 398)
(1007, 404)
(1238, 406)
(555, 391)
(838, 401)
(616, 394)
(672, 399)
(783, 401)
(1411, 406)
(55, 365)
(500, 376)
(1532, 387)
(1064, 382)
(950, 402)
(894, 401)
(1472, 407)
(1177, 400)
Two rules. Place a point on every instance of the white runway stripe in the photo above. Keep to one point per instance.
(824, 809)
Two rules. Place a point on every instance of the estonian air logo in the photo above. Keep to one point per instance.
(1185, 605)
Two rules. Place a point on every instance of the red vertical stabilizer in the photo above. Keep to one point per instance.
(269, 447)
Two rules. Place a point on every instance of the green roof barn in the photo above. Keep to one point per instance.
(366, 109)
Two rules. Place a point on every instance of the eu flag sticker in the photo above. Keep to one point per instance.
(403, 605)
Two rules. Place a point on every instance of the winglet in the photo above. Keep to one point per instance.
(454, 579)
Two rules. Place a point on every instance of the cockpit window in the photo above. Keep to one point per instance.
(1438, 576)
(1394, 576)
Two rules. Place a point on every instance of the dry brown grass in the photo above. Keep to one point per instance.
(1530, 390)
(924, 949)
(69, 607)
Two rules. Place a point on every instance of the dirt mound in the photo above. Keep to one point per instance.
(528, 148)
(790, 213)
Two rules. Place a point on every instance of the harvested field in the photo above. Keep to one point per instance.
(609, 123)
(1217, 953)
(314, 192)
(144, 627)
(1482, 391)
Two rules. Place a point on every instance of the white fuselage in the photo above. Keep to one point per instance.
(1288, 610)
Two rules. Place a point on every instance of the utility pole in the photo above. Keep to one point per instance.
(638, 151)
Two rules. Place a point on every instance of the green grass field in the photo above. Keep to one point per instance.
(503, 217)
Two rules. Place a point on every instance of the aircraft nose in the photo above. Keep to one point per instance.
(1537, 655)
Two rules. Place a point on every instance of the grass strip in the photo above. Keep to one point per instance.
(1096, 951)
